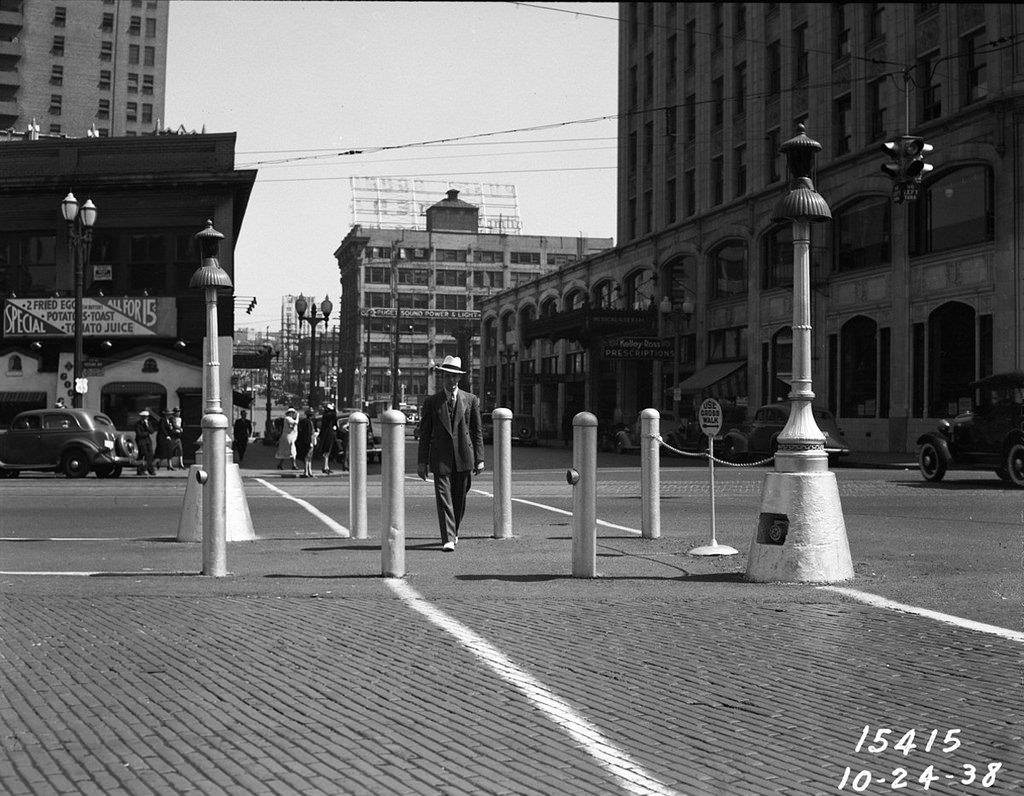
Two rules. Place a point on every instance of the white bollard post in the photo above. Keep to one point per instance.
(392, 537)
(357, 429)
(650, 474)
(584, 496)
(502, 473)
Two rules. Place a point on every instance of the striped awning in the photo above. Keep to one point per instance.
(26, 397)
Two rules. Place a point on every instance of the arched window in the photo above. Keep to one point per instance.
(953, 210)
(14, 365)
(858, 394)
(681, 273)
(548, 308)
(640, 287)
(777, 257)
(728, 266)
(526, 314)
(604, 294)
(862, 234)
(506, 332)
(575, 300)
(951, 367)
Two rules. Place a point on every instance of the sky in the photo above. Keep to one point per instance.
(301, 82)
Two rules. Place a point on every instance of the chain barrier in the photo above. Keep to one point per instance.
(706, 455)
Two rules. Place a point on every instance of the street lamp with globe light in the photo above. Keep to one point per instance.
(301, 306)
(80, 226)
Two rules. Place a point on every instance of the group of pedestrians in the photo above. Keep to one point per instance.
(166, 448)
(303, 439)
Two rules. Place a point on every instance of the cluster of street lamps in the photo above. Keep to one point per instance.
(80, 226)
(301, 307)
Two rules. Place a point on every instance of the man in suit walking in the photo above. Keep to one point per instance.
(451, 446)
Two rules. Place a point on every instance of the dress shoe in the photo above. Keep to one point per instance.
(448, 547)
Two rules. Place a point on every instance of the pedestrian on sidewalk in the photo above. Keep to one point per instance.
(305, 442)
(177, 454)
(451, 446)
(163, 439)
(144, 444)
(286, 444)
(328, 434)
(240, 435)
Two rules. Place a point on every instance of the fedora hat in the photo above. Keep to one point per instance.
(451, 365)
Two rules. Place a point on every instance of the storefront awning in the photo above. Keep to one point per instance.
(23, 398)
(712, 374)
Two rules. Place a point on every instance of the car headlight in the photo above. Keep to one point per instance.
(944, 427)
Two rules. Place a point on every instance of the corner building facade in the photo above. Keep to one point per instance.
(911, 301)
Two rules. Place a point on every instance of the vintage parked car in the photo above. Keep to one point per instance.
(759, 438)
(524, 429)
(990, 436)
(373, 440)
(70, 441)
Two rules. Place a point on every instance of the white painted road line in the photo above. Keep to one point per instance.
(556, 510)
(629, 775)
(967, 624)
(337, 527)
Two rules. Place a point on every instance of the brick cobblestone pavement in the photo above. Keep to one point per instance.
(490, 671)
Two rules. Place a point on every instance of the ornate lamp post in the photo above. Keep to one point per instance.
(209, 278)
(801, 536)
(301, 305)
(79, 246)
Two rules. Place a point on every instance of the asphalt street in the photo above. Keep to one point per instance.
(492, 670)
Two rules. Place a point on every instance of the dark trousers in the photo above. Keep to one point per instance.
(450, 494)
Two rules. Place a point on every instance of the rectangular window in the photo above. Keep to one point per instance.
(450, 301)
(671, 133)
(57, 75)
(60, 16)
(717, 102)
(841, 123)
(690, 193)
(840, 31)
(106, 50)
(873, 20)
(800, 55)
(54, 129)
(648, 144)
(150, 28)
(56, 103)
(773, 66)
(449, 277)
(671, 208)
(739, 90)
(147, 113)
(147, 84)
(690, 118)
(929, 87)
(103, 111)
(672, 60)
(718, 180)
(133, 54)
(648, 212)
(57, 48)
(133, 83)
(634, 87)
(135, 26)
(107, 23)
(104, 83)
(739, 162)
(450, 255)
(132, 111)
(649, 76)
(690, 43)
(524, 258)
(876, 111)
(149, 56)
(975, 63)
(726, 344)
(148, 256)
(771, 155)
(717, 26)
(739, 19)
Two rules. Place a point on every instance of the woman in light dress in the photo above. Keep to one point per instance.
(286, 444)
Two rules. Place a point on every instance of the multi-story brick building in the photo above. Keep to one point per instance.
(410, 297)
(911, 301)
(75, 66)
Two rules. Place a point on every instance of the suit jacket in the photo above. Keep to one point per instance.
(446, 447)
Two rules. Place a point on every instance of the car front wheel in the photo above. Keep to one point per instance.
(75, 464)
(932, 465)
(1015, 464)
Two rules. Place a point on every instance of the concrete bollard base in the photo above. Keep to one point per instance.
(239, 520)
(801, 535)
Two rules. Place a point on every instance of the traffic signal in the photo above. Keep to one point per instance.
(907, 166)
(252, 304)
